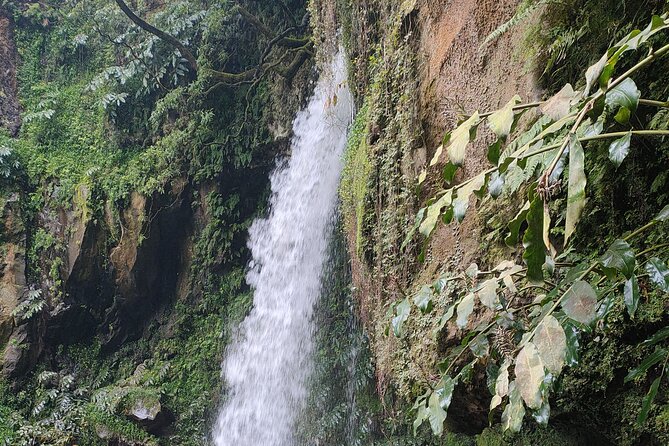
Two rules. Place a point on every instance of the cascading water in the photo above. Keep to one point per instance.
(268, 365)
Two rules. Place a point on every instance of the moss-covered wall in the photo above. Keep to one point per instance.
(411, 78)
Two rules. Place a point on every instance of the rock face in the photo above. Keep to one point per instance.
(12, 282)
(9, 105)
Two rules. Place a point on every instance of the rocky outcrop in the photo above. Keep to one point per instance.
(9, 105)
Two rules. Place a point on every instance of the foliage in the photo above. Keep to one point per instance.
(539, 309)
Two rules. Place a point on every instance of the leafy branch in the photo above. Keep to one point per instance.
(533, 324)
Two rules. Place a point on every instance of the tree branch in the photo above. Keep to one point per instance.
(185, 52)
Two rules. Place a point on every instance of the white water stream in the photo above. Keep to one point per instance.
(268, 364)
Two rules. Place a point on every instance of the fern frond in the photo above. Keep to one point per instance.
(523, 12)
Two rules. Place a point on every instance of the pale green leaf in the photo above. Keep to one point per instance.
(423, 299)
(658, 273)
(576, 187)
(631, 293)
(592, 74)
(514, 412)
(402, 311)
(559, 105)
(501, 121)
(465, 309)
(580, 302)
(461, 202)
(488, 294)
(433, 212)
(619, 149)
(459, 139)
(529, 375)
(663, 215)
(551, 343)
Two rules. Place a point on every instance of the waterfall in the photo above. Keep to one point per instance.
(268, 364)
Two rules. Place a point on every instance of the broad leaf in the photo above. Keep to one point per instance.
(501, 121)
(465, 309)
(631, 292)
(592, 74)
(433, 213)
(571, 358)
(580, 302)
(624, 98)
(459, 139)
(648, 401)
(437, 155)
(663, 215)
(488, 294)
(414, 228)
(619, 149)
(449, 172)
(654, 358)
(559, 105)
(576, 188)
(446, 317)
(658, 273)
(514, 412)
(436, 415)
(402, 311)
(423, 299)
(514, 226)
(533, 241)
(551, 342)
(529, 375)
(461, 202)
(480, 346)
(620, 257)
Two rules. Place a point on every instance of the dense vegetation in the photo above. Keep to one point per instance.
(140, 163)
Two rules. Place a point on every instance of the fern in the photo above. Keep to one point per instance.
(524, 11)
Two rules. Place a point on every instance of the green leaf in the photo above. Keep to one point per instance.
(494, 151)
(460, 137)
(619, 149)
(533, 241)
(433, 213)
(488, 294)
(514, 412)
(501, 121)
(648, 401)
(631, 292)
(449, 172)
(448, 314)
(559, 105)
(660, 336)
(438, 404)
(658, 273)
(529, 375)
(465, 309)
(423, 299)
(663, 215)
(437, 155)
(514, 225)
(624, 98)
(592, 74)
(572, 357)
(620, 257)
(401, 315)
(576, 187)
(551, 343)
(461, 202)
(480, 346)
(654, 358)
(580, 302)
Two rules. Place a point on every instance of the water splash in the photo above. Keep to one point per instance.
(267, 367)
